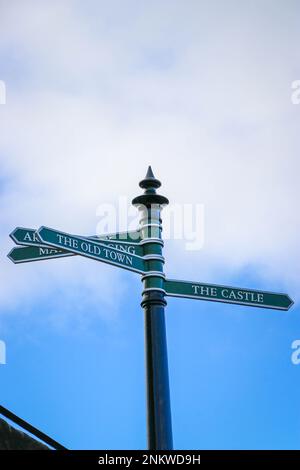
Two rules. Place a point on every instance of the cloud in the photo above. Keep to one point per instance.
(97, 91)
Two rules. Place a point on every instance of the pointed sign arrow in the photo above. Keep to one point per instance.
(232, 295)
(122, 241)
(26, 254)
(91, 249)
(29, 236)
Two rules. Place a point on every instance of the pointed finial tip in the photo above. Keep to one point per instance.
(150, 184)
(150, 181)
(150, 172)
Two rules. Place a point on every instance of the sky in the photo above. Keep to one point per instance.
(95, 92)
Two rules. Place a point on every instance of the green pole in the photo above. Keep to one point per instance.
(159, 425)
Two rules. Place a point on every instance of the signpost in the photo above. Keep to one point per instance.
(232, 295)
(141, 251)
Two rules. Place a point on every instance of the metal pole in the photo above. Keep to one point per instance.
(159, 425)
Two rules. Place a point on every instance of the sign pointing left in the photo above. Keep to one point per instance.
(25, 236)
(123, 241)
(29, 237)
(91, 249)
(22, 254)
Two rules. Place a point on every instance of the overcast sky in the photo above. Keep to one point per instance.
(95, 92)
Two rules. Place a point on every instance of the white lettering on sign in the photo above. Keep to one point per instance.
(119, 257)
(28, 237)
(247, 296)
(126, 248)
(227, 293)
(90, 248)
(67, 241)
(48, 251)
(208, 291)
(94, 249)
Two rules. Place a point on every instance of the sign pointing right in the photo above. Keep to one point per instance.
(232, 295)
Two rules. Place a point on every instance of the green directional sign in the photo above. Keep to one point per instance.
(133, 237)
(91, 249)
(40, 252)
(25, 236)
(26, 254)
(121, 241)
(29, 236)
(232, 295)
